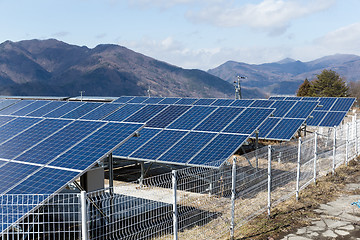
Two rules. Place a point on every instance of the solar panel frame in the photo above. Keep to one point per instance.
(15, 107)
(286, 133)
(46, 109)
(123, 99)
(204, 101)
(342, 104)
(30, 108)
(332, 119)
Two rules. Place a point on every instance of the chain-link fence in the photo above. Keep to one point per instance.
(188, 203)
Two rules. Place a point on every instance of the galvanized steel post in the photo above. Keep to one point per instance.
(315, 156)
(175, 212)
(269, 180)
(84, 232)
(334, 152)
(233, 196)
(347, 145)
(298, 170)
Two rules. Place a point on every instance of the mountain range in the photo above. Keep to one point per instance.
(54, 68)
(284, 77)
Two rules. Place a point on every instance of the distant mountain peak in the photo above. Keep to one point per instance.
(286, 60)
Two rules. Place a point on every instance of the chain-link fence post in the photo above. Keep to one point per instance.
(347, 145)
(334, 152)
(233, 196)
(356, 136)
(269, 179)
(298, 170)
(315, 156)
(84, 231)
(175, 212)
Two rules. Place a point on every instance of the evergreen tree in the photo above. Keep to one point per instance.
(328, 84)
(304, 89)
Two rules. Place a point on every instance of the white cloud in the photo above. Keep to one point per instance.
(273, 16)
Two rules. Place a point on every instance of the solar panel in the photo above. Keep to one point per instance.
(138, 100)
(343, 104)
(123, 99)
(158, 145)
(316, 118)
(332, 119)
(124, 112)
(167, 116)
(277, 98)
(5, 119)
(101, 112)
(30, 108)
(192, 117)
(186, 101)
(293, 98)
(46, 109)
(285, 129)
(14, 127)
(169, 100)
(187, 147)
(326, 103)
(15, 107)
(29, 137)
(218, 150)
(223, 102)
(64, 109)
(6, 103)
(204, 101)
(262, 103)
(81, 110)
(242, 103)
(145, 114)
(310, 99)
(267, 126)
(302, 109)
(282, 107)
(248, 121)
(216, 121)
(134, 143)
(153, 100)
(97, 145)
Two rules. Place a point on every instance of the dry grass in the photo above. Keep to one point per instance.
(292, 214)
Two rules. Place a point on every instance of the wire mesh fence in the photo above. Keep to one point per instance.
(189, 203)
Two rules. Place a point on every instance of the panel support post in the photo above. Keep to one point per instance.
(84, 232)
(298, 170)
(256, 148)
(142, 176)
(175, 212)
(315, 156)
(334, 152)
(269, 180)
(111, 173)
(356, 137)
(347, 145)
(233, 196)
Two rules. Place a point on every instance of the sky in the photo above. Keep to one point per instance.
(200, 34)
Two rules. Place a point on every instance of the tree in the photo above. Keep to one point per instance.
(328, 84)
(304, 89)
(354, 90)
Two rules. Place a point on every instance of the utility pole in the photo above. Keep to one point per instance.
(237, 85)
(81, 95)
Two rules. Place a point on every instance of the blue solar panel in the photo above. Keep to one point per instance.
(293, 98)
(169, 100)
(249, 120)
(242, 103)
(167, 116)
(123, 99)
(191, 118)
(15, 107)
(102, 111)
(285, 129)
(11, 173)
(64, 109)
(310, 99)
(16, 126)
(59, 142)
(267, 126)
(317, 117)
(81, 110)
(138, 100)
(326, 103)
(219, 119)
(343, 104)
(124, 112)
(332, 119)
(96, 146)
(134, 143)
(302, 109)
(31, 136)
(5, 119)
(6, 103)
(158, 145)
(282, 107)
(218, 150)
(145, 114)
(277, 98)
(45, 181)
(187, 147)
(204, 101)
(186, 101)
(262, 103)
(46, 109)
(153, 100)
(30, 108)
(223, 102)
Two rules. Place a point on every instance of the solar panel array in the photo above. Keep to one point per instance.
(329, 113)
(47, 153)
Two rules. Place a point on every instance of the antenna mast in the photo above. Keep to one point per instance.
(237, 85)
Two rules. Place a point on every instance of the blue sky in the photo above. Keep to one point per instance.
(193, 33)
